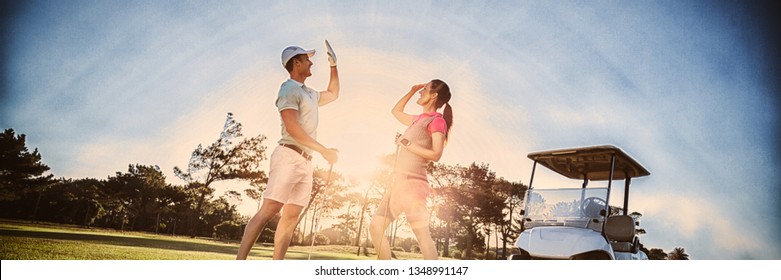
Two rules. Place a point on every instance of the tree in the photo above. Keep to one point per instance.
(221, 216)
(678, 254)
(478, 204)
(656, 254)
(131, 192)
(493, 197)
(469, 203)
(510, 227)
(137, 196)
(78, 201)
(455, 202)
(174, 204)
(349, 219)
(636, 216)
(256, 192)
(222, 160)
(445, 179)
(378, 185)
(20, 170)
(327, 192)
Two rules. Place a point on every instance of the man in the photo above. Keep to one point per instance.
(289, 185)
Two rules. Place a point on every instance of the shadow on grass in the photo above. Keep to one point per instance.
(129, 241)
(304, 255)
(294, 253)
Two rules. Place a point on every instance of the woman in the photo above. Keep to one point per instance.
(423, 141)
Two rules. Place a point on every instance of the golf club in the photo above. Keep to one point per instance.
(388, 190)
(325, 193)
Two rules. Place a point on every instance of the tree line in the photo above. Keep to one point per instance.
(470, 205)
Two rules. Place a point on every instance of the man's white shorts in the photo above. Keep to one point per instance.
(289, 177)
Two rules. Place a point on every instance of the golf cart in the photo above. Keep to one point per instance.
(577, 223)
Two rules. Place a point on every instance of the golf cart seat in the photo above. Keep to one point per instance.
(620, 230)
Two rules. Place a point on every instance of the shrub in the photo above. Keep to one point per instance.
(456, 254)
(322, 240)
(227, 230)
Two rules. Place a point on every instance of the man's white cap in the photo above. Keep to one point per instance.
(292, 51)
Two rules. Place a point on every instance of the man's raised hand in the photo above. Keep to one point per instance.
(331, 54)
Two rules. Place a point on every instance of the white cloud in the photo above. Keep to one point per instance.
(682, 220)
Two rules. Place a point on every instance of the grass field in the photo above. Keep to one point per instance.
(28, 241)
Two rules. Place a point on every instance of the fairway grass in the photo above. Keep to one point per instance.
(27, 241)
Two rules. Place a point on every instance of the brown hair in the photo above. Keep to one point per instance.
(289, 64)
(443, 98)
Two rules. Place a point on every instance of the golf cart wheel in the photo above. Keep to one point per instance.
(522, 256)
(593, 255)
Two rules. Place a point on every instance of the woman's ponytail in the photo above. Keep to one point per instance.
(448, 116)
(443, 98)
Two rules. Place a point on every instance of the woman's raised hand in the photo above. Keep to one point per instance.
(416, 88)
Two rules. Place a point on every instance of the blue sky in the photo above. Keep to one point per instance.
(685, 87)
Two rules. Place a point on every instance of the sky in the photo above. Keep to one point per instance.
(687, 88)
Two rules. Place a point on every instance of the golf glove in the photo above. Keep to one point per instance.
(331, 54)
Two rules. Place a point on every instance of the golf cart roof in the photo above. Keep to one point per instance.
(592, 163)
